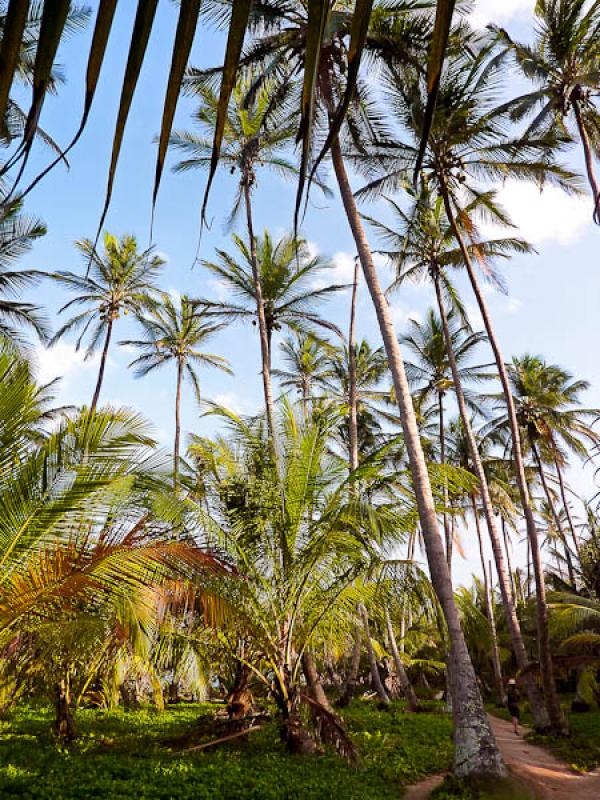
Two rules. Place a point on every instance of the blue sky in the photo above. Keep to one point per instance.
(551, 306)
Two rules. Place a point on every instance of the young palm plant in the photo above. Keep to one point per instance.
(119, 280)
(173, 333)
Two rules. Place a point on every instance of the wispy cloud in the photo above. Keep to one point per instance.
(500, 11)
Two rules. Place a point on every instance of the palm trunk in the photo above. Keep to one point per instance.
(405, 685)
(102, 367)
(64, 723)
(352, 393)
(262, 323)
(535, 700)
(177, 424)
(554, 512)
(563, 495)
(508, 562)
(313, 681)
(448, 534)
(352, 678)
(476, 751)
(557, 719)
(589, 160)
(375, 676)
(489, 608)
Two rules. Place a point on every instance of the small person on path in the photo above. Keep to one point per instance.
(512, 703)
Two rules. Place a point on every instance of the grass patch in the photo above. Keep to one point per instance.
(122, 755)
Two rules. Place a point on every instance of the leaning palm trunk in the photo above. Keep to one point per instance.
(555, 713)
(352, 394)
(489, 608)
(262, 323)
(102, 367)
(376, 677)
(536, 702)
(589, 159)
(555, 516)
(448, 531)
(406, 686)
(563, 495)
(476, 751)
(177, 424)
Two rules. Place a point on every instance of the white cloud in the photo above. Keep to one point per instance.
(401, 315)
(235, 403)
(62, 361)
(513, 305)
(219, 288)
(547, 216)
(500, 11)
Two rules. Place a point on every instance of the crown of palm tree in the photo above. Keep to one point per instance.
(174, 331)
(563, 64)
(430, 374)
(258, 129)
(119, 280)
(470, 142)
(288, 275)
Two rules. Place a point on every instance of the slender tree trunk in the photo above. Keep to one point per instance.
(406, 686)
(563, 494)
(176, 445)
(508, 562)
(448, 533)
(352, 678)
(554, 512)
(64, 723)
(555, 713)
(589, 159)
(536, 701)
(489, 607)
(352, 393)
(375, 676)
(102, 367)
(476, 751)
(262, 323)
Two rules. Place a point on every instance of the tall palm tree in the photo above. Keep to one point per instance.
(256, 132)
(305, 357)
(422, 247)
(172, 334)
(553, 422)
(18, 232)
(431, 374)
(563, 64)
(119, 280)
(398, 35)
(285, 273)
(468, 145)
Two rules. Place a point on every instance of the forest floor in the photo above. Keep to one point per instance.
(124, 755)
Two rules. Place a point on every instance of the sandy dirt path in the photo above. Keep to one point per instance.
(539, 769)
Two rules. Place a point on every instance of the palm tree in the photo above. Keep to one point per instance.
(431, 374)
(468, 144)
(284, 51)
(119, 280)
(18, 233)
(305, 356)
(422, 247)
(553, 423)
(256, 132)
(562, 62)
(286, 273)
(173, 333)
(299, 537)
